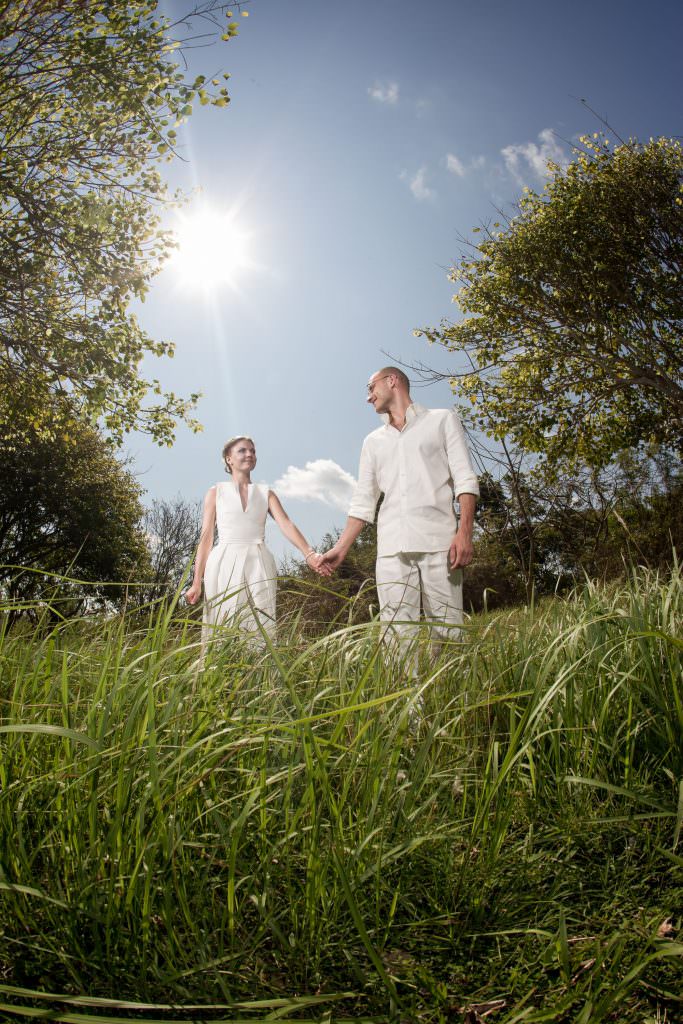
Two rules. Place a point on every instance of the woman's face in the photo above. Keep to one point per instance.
(242, 456)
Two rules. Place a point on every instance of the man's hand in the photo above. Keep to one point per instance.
(333, 558)
(461, 551)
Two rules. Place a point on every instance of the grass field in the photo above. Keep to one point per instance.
(274, 838)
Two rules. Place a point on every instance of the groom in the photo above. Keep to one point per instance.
(419, 461)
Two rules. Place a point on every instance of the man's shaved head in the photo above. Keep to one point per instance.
(386, 370)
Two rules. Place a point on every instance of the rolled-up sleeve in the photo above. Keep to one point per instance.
(459, 460)
(366, 495)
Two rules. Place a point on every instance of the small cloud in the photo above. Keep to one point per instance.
(521, 159)
(418, 185)
(320, 480)
(384, 92)
(455, 166)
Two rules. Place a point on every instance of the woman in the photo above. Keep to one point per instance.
(239, 573)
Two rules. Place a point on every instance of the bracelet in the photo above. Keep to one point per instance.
(309, 553)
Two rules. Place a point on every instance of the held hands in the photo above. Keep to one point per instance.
(333, 558)
(316, 562)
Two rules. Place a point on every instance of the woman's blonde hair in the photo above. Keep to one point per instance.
(228, 445)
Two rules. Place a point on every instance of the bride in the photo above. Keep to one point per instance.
(239, 572)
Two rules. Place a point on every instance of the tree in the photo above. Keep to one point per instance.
(91, 95)
(574, 310)
(172, 530)
(69, 507)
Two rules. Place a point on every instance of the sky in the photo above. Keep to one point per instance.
(362, 144)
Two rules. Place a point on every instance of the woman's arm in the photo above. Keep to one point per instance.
(294, 535)
(205, 544)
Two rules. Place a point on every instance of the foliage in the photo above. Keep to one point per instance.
(69, 507)
(536, 536)
(499, 573)
(268, 837)
(543, 533)
(573, 311)
(91, 97)
(643, 501)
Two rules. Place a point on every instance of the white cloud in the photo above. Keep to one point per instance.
(384, 92)
(320, 480)
(521, 159)
(454, 165)
(418, 185)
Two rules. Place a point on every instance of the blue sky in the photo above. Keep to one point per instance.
(362, 141)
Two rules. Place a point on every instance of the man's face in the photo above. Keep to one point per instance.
(380, 391)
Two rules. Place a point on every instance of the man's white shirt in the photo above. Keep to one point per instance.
(419, 470)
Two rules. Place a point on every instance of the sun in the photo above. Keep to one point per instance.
(212, 249)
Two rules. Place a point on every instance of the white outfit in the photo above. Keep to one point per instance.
(240, 574)
(419, 470)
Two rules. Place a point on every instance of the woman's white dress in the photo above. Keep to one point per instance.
(240, 573)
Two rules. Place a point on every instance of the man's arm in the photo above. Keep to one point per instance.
(362, 510)
(466, 487)
(336, 555)
(461, 551)
(458, 453)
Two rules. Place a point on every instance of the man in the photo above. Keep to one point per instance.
(419, 461)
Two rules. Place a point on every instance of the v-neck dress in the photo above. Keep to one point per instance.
(240, 573)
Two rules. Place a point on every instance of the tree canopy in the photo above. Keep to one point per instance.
(91, 96)
(573, 309)
(68, 506)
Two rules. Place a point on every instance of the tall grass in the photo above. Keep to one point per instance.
(283, 834)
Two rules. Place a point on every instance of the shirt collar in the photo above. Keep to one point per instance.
(412, 412)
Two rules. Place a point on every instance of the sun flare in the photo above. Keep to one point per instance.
(212, 249)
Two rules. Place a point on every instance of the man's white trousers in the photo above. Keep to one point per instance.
(408, 579)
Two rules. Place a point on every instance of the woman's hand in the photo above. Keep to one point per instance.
(194, 593)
